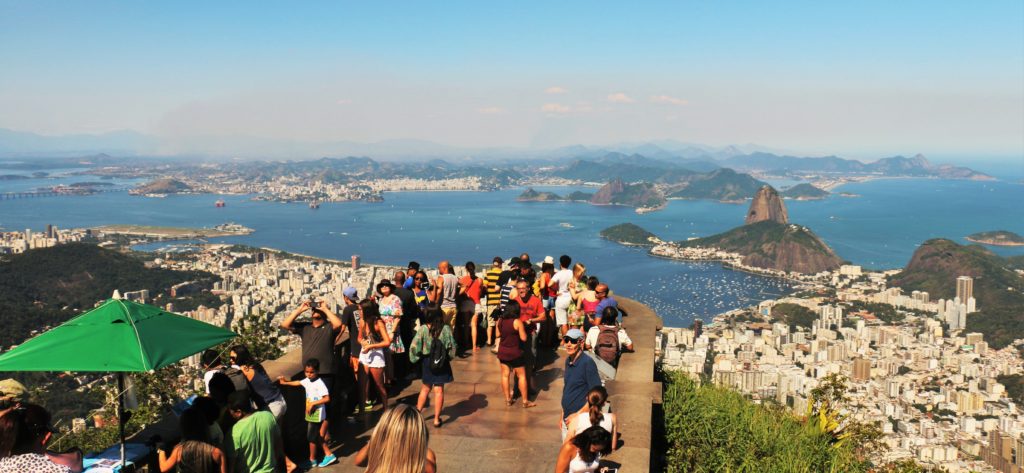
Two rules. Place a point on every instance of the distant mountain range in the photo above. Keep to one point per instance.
(17, 143)
(721, 184)
(917, 166)
(643, 158)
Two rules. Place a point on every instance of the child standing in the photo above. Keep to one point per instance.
(317, 398)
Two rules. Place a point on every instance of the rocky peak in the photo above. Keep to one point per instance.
(767, 205)
(607, 192)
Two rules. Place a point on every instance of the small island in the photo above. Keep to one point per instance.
(804, 191)
(531, 195)
(630, 235)
(997, 238)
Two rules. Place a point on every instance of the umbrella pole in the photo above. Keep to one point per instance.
(120, 413)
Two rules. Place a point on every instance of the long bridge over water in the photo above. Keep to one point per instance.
(56, 193)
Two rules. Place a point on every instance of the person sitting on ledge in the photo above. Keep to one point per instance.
(583, 453)
(593, 414)
(606, 341)
(603, 294)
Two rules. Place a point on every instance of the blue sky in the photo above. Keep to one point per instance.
(858, 78)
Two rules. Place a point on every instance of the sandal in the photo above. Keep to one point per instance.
(509, 402)
(528, 404)
(437, 423)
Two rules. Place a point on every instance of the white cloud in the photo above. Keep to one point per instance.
(491, 110)
(555, 108)
(555, 90)
(667, 99)
(343, 101)
(620, 97)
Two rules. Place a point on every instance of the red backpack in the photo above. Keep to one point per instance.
(608, 343)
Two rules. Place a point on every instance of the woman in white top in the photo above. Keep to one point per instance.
(593, 415)
(583, 453)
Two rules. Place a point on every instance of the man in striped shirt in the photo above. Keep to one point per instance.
(493, 296)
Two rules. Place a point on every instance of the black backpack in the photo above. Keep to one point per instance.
(227, 381)
(237, 379)
(438, 358)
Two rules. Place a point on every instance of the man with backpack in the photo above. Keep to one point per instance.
(606, 341)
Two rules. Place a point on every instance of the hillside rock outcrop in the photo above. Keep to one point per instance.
(643, 194)
(767, 206)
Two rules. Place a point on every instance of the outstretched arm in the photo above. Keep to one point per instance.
(331, 316)
(288, 322)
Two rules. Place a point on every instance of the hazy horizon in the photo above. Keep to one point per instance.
(862, 81)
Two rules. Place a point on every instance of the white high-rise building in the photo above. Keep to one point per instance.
(964, 287)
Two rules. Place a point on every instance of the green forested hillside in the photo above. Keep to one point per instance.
(628, 234)
(937, 263)
(768, 244)
(44, 287)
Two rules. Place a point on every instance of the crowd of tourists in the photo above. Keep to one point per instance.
(410, 327)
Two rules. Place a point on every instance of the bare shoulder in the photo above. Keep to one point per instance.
(431, 462)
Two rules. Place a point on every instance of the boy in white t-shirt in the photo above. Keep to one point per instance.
(317, 398)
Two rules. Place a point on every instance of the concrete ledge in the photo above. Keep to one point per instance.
(634, 392)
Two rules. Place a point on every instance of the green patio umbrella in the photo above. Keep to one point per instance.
(118, 336)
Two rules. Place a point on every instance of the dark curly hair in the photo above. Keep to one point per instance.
(595, 435)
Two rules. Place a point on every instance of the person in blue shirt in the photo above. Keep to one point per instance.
(414, 268)
(580, 376)
(601, 292)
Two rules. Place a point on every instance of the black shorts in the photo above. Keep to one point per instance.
(516, 363)
(313, 432)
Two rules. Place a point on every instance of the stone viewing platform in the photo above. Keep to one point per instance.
(481, 433)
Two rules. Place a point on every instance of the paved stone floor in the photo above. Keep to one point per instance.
(480, 433)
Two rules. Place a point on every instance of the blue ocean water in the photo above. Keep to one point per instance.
(880, 229)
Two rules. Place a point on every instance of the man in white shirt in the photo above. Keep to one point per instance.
(607, 356)
(562, 280)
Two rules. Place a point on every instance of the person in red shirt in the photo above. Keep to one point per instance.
(532, 314)
(471, 288)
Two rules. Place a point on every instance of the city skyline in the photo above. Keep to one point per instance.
(863, 81)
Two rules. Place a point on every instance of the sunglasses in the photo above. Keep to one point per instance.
(569, 340)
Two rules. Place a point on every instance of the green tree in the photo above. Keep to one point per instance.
(824, 415)
(255, 332)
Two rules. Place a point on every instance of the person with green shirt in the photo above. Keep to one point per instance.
(256, 444)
